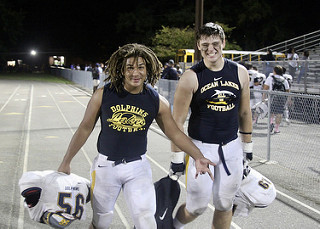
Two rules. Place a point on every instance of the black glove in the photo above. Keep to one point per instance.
(249, 156)
(177, 166)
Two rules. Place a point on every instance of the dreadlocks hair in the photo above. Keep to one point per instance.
(117, 62)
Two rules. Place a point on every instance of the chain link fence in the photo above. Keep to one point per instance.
(293, 153)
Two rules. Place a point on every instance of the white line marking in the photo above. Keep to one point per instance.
(289, 197)
(122, 217)
(73, 97)
(298, 202)
(8, 100)
(70, 128)
(25, 161)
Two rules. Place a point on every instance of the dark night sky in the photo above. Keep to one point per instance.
(74, 26)
(89, 29)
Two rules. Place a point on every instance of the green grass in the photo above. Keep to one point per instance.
(43, 77)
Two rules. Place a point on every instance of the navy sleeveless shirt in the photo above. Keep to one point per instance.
(214, 106)
(125, 120)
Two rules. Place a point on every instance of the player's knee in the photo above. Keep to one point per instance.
(102, 220)
(197, 211)
(223, 204)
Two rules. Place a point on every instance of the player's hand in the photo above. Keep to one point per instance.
(247, 150)
(64, 168)
(202, 167)
(177, 166)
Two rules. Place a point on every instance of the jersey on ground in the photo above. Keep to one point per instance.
(256, 191)
(59, 193)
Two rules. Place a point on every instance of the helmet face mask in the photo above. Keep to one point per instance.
(32, 196)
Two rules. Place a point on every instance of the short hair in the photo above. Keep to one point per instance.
(278, 70)
(209, 29)
(117, 62)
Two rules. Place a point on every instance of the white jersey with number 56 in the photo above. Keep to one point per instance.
(59, 193)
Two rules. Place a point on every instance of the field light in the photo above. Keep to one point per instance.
(33, 53)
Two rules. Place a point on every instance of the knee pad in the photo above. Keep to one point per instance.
(102, 220)
(223, 204)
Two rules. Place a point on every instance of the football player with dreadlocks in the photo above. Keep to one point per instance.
(127, 106)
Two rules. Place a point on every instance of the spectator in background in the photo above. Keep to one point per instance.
(268, 65)
(293, 64)
(179, 70)
(256, 98)
(288, 77)
(96, 71)
(88, 68)
(288, 103)
(278, 102)
(304, 66)
(170, 73)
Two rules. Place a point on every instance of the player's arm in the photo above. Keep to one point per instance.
(265, 87)
(84, 130)
(187, 85)
(245, 119)
(245, 115)
(171, 130)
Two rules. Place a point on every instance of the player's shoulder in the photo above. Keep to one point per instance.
(188, 81)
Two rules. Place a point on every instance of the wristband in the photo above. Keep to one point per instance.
(247, 147)
(177, 157)
(241, 132)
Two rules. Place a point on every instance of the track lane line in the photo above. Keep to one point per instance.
(117, 208)
(25, 160)
(10, 97)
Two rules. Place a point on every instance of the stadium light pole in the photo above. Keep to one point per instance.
(198, 24)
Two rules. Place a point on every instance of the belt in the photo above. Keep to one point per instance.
(124, 160)
(220, 152)
(221, 155)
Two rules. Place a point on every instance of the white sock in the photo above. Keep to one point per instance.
(177, 224)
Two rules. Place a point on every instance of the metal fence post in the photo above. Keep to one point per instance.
(269, 134)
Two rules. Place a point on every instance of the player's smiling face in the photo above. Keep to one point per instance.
(135, 74)
(211, 48)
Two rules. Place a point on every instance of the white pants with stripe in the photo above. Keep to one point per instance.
(224, 187)
(135, 179)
